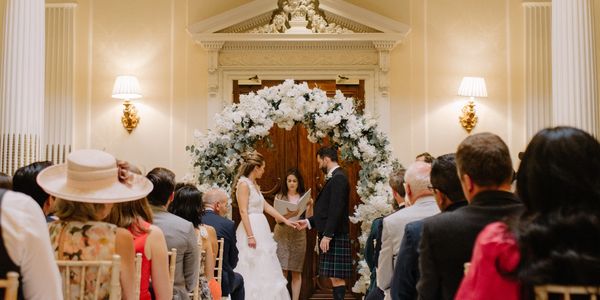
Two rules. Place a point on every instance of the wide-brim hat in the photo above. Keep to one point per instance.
(92, 176)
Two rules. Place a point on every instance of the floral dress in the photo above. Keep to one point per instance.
(80, 241)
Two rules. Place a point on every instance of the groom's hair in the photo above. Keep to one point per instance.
(328, 152)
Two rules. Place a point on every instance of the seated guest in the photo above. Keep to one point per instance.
(5, 181)
(421, 204)
(215, 206)
(373, 244)
(449, 196)
(25, 248)
(426, 157)
(557, 238)
(187, 204)
(136, 216)
(24, 182)
(485, 171)
(179, 233)
(85, 188)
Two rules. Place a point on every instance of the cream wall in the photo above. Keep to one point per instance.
(448, 42)
(148, 39)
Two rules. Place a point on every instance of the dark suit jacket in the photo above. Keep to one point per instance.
(406, 270)
(331, 208)
(447, 241)
(225, 229)
(372, 248)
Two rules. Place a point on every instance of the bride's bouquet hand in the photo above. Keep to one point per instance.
(252, 242)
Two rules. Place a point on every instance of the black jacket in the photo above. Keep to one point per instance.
(406, 270)
(225, 229)
(447, 241)
(331, 208)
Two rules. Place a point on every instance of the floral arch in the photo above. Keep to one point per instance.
(217, 154)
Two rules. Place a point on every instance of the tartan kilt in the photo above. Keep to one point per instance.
(337, 262)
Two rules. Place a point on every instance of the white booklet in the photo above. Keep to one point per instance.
(284, 206)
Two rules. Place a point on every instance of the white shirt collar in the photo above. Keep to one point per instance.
(330, 173)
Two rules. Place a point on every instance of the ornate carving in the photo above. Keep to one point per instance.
(298, 45)
(299, 16)
(297, 58)
(213, 54)
(249, 24)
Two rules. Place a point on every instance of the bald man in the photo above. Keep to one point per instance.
(421, 205)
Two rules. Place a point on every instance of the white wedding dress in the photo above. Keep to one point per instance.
(260, 267)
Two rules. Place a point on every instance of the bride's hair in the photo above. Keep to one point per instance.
(252, 160)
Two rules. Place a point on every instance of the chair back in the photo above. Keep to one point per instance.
(137, 280)
(219, 260)
(543, 292)
(113, 266)
(172, 264)
(10, 285)
(196, 294)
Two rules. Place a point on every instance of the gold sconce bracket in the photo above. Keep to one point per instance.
(468, 119)
(130, 119)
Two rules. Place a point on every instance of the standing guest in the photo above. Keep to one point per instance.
(85, 188)
(331, 222)
(179, 233)
(25, 248)
(136, 216)
(449, 196)
(373, 244)
(215, 205)
(24, 181)
(426, 157)
(187, 204)
(421, 205)
(291, 243)
(557, 238)
(5, 181)
(485, 171)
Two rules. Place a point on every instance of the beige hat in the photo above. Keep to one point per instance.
(92, 176)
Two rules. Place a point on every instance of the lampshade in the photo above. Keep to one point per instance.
(472, 87)
(126, 87)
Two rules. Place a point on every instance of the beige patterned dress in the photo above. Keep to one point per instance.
(79, 241)
(291, 245)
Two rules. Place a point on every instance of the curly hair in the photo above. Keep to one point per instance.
(559, 232)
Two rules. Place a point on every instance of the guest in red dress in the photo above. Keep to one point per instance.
(136, 216)
(557, 239)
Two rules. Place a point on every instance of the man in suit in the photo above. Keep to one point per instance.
(179, 233)
(421, 205)
(485, 172)
(373, 244)
(215, 206)
(449, 196)
(331, 221)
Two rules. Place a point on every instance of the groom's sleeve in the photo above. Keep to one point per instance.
(339, 195)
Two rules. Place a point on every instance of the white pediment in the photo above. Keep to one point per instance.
(285, 21)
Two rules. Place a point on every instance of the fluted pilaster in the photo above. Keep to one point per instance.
(538, 66)
(58, 116)
(574, 91)
(22, 84)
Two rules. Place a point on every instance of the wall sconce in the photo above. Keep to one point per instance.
(127, 88)
(471, 87)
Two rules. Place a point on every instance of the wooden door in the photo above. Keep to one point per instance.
(292, 149)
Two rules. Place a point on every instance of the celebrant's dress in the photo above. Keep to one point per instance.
(260, 267)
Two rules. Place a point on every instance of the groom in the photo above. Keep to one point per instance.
(331, 221)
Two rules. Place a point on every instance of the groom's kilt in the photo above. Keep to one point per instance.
(337, 262)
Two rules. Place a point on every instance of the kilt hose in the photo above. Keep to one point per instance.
(337, 262)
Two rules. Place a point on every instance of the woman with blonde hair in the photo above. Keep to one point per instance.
(149, 240)
(85, 188)
(257, 249)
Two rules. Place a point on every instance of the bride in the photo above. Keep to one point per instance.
(258, 262)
